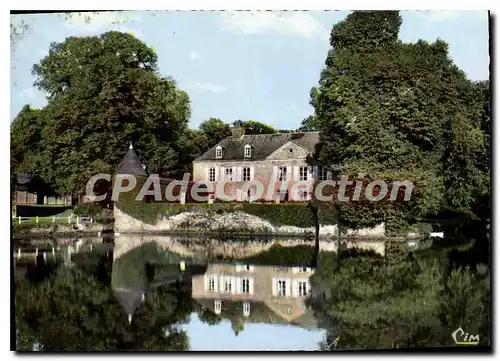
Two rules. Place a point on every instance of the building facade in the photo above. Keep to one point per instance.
(278, 161)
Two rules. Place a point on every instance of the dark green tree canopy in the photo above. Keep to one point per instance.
(104, 92)
(397, 111)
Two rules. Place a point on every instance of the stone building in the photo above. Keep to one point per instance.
(278, 161)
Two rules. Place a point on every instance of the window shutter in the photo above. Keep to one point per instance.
(274, 287)
(221, 284)
(310, 173)
(233, 285)
(252, 173)
(288, 286)
(295, 288)
(237, 285)
(251, 285)
(216, 283)
(295, 173)
(222, 175)
(275, 173)
(205, 278)
(289, 170)
(217, 170)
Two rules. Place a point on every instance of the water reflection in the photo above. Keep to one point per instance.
(163, 293)
(255, 293)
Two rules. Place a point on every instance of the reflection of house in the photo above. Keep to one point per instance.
(256, 293)
(279, 159)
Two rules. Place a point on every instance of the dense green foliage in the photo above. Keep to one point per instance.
(285, 256)
(396, 111)
(104, 92)
(405, 300)
(74, 309)
(290, 214)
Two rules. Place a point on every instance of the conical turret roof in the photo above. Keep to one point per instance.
(129, 299)
(131, 164)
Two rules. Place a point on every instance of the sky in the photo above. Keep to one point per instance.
(243, 65)
(255, 337)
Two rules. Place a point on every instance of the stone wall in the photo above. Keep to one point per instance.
(231, 221)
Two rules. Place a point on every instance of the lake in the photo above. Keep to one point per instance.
(159, 293)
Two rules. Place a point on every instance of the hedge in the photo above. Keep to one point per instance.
(291, 214)
(285, 256)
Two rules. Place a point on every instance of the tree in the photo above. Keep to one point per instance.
(26, 140)
(104, 92)
(215, 130)
(253, 127)
(403, 300)
(309, 124)
(395, 111)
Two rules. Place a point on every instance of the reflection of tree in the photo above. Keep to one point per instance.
(237, 326)
(74, 310)
(209, 317)
(366, 301)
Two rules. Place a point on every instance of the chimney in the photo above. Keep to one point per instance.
(237, 129)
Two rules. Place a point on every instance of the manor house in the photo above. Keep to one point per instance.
(278, 159)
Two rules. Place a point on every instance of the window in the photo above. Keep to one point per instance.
(246, 309)
(211, 284)
(302, 291)
(283, 195)
(322, 173)
(228, 286)
(302, 173)
(218, 152)
(211, 175)
(217, 307)
(229, 174)
(248, 151)
(245, 285)
(281, 288)
(246, 174)
(249, 195)
(244, 268)
(281, 174)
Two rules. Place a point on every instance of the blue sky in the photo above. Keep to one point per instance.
(244, 65)
(255, 336)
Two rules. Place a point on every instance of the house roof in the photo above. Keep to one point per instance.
(260, 312)
(129, 299)
(131, 164)
(262, 145)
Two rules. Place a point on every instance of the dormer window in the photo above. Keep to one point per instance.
(217, 307)
(218, 152)
(248, 151)
(246, 309)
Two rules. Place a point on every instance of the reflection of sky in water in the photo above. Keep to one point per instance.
(255, 336)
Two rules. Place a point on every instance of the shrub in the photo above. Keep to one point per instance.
(294, 214)
(89, 209)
